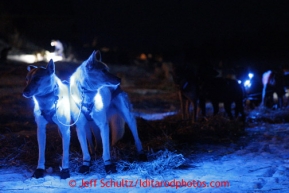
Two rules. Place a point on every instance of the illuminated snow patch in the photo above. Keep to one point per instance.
(154, 116)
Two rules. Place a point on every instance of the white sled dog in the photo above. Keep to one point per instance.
(97, 102)
(51, 98)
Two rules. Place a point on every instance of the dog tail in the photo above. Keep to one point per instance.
(117, 124)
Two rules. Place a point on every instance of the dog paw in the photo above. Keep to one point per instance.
(110, 169)
(64, 174)
(143, 157)
(84, 169)
(39, 173)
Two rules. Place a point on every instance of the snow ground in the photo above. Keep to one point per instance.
(261, 165)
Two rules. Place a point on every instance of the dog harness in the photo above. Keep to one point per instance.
(86, 108)
(48, 114)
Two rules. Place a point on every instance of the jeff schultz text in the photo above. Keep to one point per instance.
(147, 183)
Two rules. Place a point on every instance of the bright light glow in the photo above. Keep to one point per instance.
(265, 77)
(74, 90)
(31, 58)
(275, 97)
(251, 75)
(247, 83)
(239, 81)
(52, 56)
(98, 102)
(36, 107)
(28, 58)
(63, 104)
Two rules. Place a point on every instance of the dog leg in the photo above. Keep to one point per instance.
(41, 138)
(89, 139)
(203, 106)
(227, 106)
(187, 109)
(96, 133)
(195, 111)
(117, 125)
(216, 107)
(65, 133)
(123, 106)
(81, 126)
(94, 140)
(240, 110)
(182, 101)
(102, 122)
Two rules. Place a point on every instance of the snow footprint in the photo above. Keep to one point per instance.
(259, 183)
(269, 172)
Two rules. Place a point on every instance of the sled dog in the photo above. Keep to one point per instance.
(97, 102)
(51, 104)
(188, 92)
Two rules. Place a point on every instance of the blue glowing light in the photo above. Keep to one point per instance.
(247, 83)
(250, 75)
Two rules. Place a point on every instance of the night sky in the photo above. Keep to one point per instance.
(217, 28)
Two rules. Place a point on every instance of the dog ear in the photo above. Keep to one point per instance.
(30, 67)
(93, 60)
(50, 67)
(98, 56)
(90, 61)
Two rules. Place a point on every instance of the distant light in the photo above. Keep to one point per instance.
(251, 75)
(143, 56)
(31, 58)
(104, 49)
(28, 58)
(53, 56)
(247, 83)
(239, 81)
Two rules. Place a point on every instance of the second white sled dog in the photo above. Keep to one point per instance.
(97, 102)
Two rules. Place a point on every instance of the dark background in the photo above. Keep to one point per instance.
(217, 29)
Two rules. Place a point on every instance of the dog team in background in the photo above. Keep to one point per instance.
(95, 103)
(200, 84)
(197, 85)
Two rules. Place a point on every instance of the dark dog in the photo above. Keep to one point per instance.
(201, 85)
(190, 80)
(225, 90)
(188, 91)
